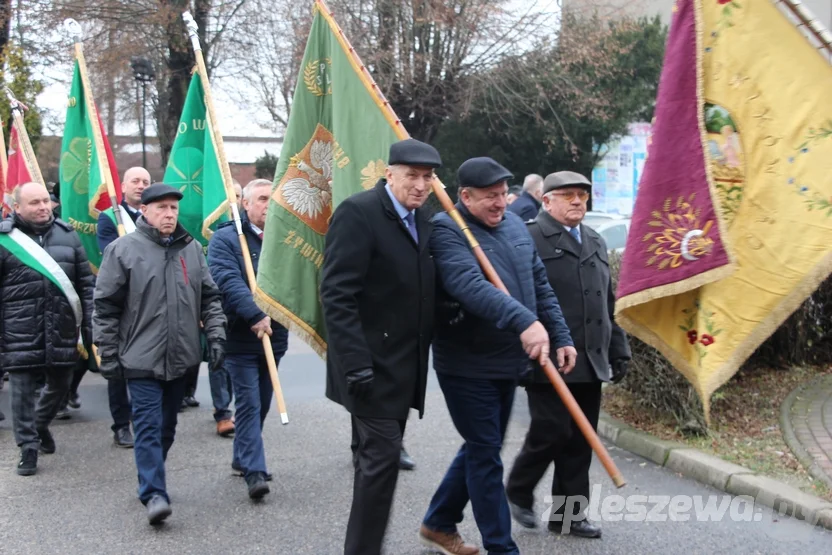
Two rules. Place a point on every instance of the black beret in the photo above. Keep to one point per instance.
(481, 172)
(411, 152)
(159, 191)
(561, 180)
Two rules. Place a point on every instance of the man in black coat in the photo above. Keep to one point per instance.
(46, 289)
(575, 257)
(377, 291)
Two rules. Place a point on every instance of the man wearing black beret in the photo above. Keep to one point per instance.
(480, 359)
(153, 290)
(377, 293)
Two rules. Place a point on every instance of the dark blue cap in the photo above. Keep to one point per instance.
(481, 173)
(411, 152)
(159, 191)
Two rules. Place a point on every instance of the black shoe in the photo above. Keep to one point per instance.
(28, 464)
(158, 509)
(257, 486)
(405, 461)
(74, 402)
(2, 416)
(240, 472)
(580, 528)
(63, 414)
(47, 442)
(123, 438)
(191, 401)
(524, 517)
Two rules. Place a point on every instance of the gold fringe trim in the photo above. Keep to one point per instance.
(92, 210)
(288, 320)
(673, 289)
(212, 218)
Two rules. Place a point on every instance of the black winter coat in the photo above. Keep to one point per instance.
(580, 276)
(377, 292)
(37, 324)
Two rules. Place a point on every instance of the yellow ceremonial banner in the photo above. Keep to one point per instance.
(732, 228)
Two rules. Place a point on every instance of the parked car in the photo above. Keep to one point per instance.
(612, 227)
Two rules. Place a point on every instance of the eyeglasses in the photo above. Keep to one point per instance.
(570, 195)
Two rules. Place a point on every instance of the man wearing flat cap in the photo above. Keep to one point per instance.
(480, 358)
(153, 290)
(377, 292)
(575, 257)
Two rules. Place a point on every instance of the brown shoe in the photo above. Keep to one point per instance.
(447, 544)
(225, 428)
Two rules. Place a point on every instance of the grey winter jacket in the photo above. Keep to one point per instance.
(149, 301)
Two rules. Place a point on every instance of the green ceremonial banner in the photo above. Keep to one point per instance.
(336, 144)
(194, 170)
(83, 191)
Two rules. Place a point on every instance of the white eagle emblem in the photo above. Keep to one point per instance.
(309, 197)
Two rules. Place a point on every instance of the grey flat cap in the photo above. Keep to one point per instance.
(561, 180)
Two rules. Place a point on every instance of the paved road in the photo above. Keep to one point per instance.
(83, 497)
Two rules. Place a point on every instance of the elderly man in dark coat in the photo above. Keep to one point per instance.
(377, 291)
(153, 290)
(479, 360)
(575, 257)
(46, 290)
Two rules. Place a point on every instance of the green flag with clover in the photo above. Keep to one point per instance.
(194, 170)
(83, 190)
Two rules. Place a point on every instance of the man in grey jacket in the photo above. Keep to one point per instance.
(153, 290)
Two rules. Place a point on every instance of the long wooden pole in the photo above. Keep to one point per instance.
(213, 128)
(489, 271)
(4, 160)
(92, 113)
(812, 24)
(24, 143)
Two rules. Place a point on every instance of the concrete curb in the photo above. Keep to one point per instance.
(719, 474)
(805, 458)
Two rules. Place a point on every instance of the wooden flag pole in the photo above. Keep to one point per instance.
(213, 128)
(29, 157)
(105, 176)
(489, 271)
(4, 160)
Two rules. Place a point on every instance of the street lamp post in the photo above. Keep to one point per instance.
(144, 73)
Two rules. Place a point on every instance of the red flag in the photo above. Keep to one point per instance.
(103, 200)
(18, 173)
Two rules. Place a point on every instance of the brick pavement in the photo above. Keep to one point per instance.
(809, 413)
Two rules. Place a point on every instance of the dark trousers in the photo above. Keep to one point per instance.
(119, 403)
(221, 392)
(31, 413)
(376, 473)
(480, 410)
(155, 408)
(191, 381)
(253, 389)
(354, 442)
(553, 437)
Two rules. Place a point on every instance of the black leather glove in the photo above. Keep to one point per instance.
(216, 355)
(360, 383)
(110, 368)
(619, 369)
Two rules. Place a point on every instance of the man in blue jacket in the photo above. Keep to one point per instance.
(527, 204)
(479, 360)
(245, 360)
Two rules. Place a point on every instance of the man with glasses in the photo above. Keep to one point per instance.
(575, 258)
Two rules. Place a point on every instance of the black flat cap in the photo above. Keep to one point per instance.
(159, 191)
(411, 152)
(561, 180)
(481, 173)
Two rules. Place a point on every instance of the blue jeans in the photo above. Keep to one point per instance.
(221, 392)
(480, 410)
(155, 407)
(253, 393)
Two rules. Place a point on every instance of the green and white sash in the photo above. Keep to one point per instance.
(35, 257)
(129, 225)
